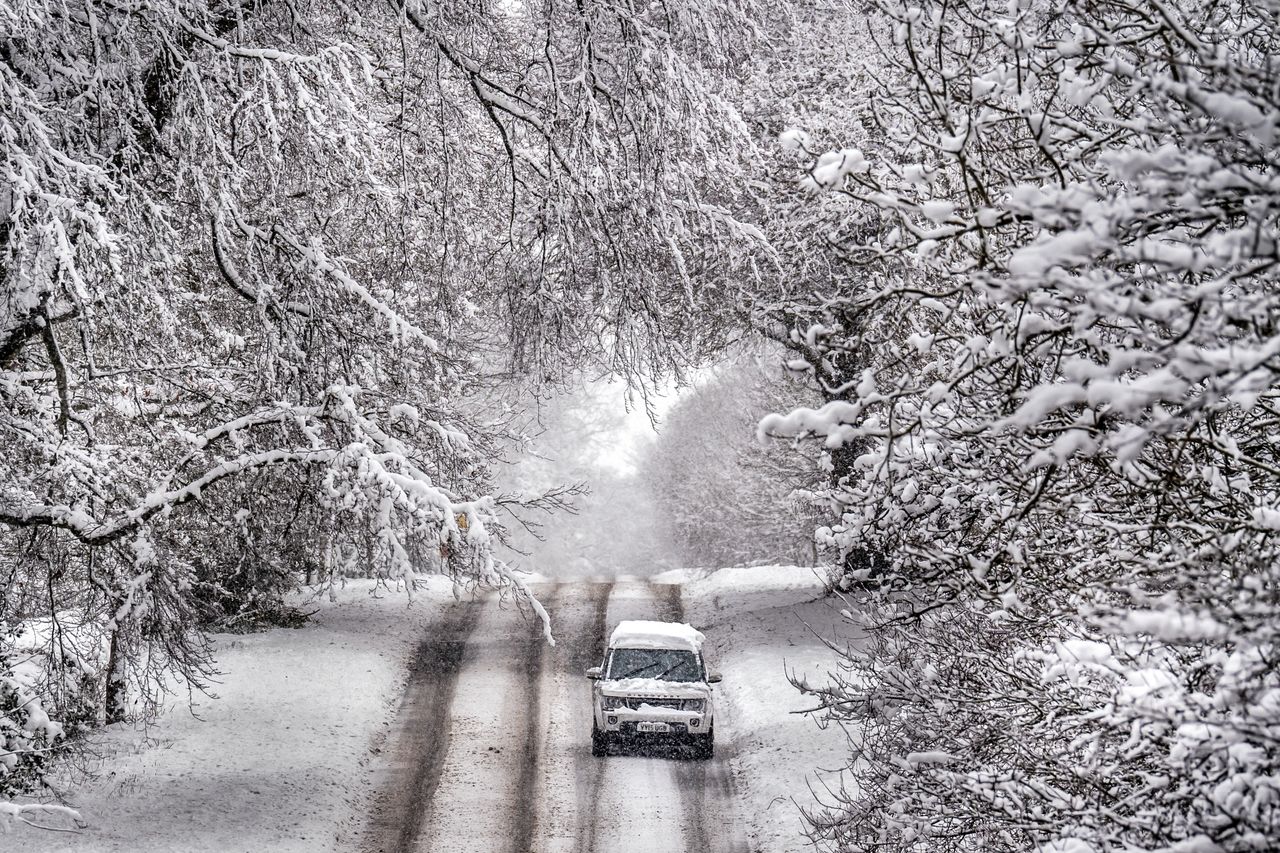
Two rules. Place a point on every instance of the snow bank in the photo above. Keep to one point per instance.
(279, 760)
(722, 595)
(677, 576)
(645, 634)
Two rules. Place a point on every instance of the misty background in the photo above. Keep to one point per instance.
(675, 478)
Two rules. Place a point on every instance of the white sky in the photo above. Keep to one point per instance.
(635, 431)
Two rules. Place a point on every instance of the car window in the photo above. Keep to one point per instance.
(665, 664)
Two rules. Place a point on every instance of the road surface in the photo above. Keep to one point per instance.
(491, 751)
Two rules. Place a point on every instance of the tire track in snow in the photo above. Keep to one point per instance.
(480, 805)
(695, 777)
(589, 770)
(525, 830)
(690, 775)
(421, 738)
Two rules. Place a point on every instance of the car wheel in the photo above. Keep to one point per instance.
(599, 742)
(704, 746)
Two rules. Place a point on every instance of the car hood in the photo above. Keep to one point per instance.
(653, 688)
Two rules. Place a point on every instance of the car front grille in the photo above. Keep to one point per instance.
(634, 703)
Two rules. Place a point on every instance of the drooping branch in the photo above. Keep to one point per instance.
(93, 531)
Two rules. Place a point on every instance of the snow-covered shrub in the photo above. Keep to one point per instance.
(61, 661)
(27, 734)
(974, 734)
(1065, 419)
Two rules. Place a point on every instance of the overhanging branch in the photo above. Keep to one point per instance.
(92, 531)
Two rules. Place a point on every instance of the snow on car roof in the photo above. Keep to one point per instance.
(645, 634)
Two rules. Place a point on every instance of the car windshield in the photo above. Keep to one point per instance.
(664, 664)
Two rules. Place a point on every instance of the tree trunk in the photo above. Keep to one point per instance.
(115, 701)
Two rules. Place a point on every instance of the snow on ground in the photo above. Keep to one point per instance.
(283, 760)
(760, 625)
(278, 761)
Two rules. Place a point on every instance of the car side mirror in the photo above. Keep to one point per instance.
(713, 677)
(595, 673)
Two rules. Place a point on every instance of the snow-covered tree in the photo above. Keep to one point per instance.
(723, 498)
(1061, 299)
(261, 265)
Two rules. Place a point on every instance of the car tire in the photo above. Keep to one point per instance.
(599, 742)
(704, 746)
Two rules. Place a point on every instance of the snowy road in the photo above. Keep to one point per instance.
(491, 750)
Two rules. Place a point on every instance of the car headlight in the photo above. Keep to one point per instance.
(694, 705)
(612, 703)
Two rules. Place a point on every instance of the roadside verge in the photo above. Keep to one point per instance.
(278, 761)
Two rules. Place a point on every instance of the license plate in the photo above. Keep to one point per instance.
(653, 727)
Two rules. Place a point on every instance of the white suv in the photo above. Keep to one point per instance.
(654, 681)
